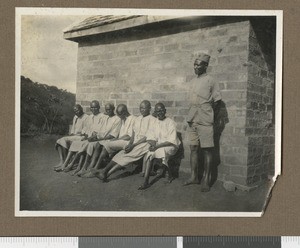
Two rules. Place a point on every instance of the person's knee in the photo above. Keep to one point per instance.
(207, 151)
(194, 148)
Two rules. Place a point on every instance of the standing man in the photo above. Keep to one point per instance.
(204, 98)
(62, 145)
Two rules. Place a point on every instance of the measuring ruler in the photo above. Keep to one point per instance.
(150, 242)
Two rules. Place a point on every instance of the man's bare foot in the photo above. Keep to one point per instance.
(144, 186)
(94, 171)
(170, 179)
(190, 181)
(59, 169)
(204, 186)
(75, 172)
(89, 174)
(58, 166)
(99, 174)
(68, 168)
(82, 172)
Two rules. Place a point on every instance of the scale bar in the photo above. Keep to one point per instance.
(152, 242)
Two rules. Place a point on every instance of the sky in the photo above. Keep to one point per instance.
(46, 57)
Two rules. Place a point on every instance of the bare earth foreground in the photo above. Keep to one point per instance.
(42, 189)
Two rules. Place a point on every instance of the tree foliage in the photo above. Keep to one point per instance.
(44, 108)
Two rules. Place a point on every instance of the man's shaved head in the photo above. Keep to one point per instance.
(109, 109)
(110, 105)
(78, 110)
(146, 103)
(122, 111)
(78, 106)
(160, 111)
(95, 103)
(145, 108)
(95, 107)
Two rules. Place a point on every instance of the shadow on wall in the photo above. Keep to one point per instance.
(220, 120)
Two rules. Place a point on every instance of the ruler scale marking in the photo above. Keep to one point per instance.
(151, 242)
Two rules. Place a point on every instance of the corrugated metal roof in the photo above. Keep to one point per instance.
(100, 20)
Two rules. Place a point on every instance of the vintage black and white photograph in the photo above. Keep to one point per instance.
(136, 112)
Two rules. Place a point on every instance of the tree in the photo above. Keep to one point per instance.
(45, 107)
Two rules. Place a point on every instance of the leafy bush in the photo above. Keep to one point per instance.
(44, 108)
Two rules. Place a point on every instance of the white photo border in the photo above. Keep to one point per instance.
(20, 11)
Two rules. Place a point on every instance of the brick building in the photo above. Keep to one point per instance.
(126, 59)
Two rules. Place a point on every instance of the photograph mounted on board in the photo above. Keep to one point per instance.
(140, 112)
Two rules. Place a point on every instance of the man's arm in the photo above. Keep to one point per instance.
(130, 146)
(161, 145)
(125, 137)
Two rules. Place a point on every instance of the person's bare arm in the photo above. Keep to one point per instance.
(161, 145)
(130, 146)
(125, 137)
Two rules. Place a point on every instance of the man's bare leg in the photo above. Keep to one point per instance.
(64, 165)
(107, 171)
(68, 166)
(82, 160)
(62, 153)
(170, 174)
(148, 168)
(205, 184)
(114, 169)
(104, 154)
(96, 160)
(79, 167)
(194, 162)
(85, 166)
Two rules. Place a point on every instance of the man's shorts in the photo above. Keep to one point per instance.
(199, 134)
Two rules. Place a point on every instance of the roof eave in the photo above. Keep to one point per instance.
(116, 26)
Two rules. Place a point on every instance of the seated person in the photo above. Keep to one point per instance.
(163, 143)
(114, 145)
(77, 147)
(137, 146)
(109, 128)
(63, 144)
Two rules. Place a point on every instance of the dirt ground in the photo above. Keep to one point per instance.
(43, 189)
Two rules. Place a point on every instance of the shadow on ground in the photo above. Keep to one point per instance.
(42, 189)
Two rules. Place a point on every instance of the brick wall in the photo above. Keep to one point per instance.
(260, 104)
(156, 63)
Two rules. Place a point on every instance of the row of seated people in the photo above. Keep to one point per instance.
(123, 137)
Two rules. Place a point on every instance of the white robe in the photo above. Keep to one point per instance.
(93, 122)
(78, 126)
(142, 127)
(164, 131)
(107, 126)
(113, 146)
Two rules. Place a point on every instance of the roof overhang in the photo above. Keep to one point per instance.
(75, 35)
